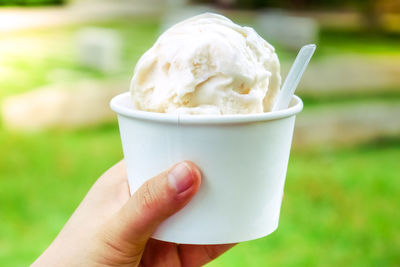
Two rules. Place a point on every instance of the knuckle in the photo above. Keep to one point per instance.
(149, 197)
(117, 252)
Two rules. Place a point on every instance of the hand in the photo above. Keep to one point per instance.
(110, 228)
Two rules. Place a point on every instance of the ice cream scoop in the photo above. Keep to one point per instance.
(207, 65)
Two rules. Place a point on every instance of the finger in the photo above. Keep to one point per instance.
(111, 188)
(156, 200)
(115, 174)
(159, 253)
(198, 255)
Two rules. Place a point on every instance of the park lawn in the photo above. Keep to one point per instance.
(340, 205)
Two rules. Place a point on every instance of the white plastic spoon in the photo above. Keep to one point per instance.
(294, 76)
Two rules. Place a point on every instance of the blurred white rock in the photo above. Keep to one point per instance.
(350, 73)
(286, 30)
(71, 105)
(99, 48)
(347, 124)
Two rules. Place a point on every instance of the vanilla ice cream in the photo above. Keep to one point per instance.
(207, 65)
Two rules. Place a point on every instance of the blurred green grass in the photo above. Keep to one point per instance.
(358, 41)
(340, 205)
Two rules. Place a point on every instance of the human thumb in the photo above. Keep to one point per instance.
(156, 200)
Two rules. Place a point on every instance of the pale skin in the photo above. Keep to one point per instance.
(112, 228)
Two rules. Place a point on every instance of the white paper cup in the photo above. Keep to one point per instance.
(243, 159)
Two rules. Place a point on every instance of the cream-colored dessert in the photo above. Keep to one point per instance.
(207, 65)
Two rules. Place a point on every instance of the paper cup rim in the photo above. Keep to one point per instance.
(120, 108)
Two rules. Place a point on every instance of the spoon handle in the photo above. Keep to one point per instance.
(294, 76)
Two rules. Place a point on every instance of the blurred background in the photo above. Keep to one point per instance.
(61, 62)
